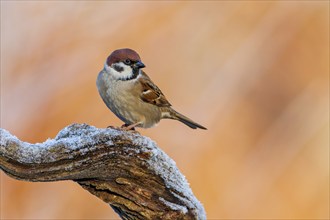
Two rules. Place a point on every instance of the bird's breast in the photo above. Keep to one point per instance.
(123, 99)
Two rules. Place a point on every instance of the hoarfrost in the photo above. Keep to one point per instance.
(76, 136)
(69, 139)
(165, 167)
(174, 206)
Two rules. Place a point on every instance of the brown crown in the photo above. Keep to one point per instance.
(121, 55)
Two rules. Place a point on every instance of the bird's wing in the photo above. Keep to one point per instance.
(151, 93)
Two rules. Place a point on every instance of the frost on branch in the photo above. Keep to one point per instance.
(124, 169)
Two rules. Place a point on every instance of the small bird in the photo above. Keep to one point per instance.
(131, 95)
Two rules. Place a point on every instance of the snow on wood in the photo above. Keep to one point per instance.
(106, 162)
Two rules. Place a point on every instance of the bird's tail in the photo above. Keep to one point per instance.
(172, 114)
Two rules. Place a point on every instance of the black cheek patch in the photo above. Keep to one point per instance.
(118, 68)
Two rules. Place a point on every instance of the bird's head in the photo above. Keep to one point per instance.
(123, 64)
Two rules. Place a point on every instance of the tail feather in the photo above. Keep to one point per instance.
(187, 121)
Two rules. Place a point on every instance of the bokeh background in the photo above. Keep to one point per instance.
(255, 73)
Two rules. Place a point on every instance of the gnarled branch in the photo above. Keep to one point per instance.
(124, 169)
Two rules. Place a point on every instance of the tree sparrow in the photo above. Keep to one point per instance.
(131, 95)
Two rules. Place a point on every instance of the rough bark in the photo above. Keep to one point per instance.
(124, 169)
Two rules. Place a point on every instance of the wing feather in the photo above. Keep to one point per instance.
(151, 93)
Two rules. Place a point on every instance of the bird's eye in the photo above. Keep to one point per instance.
(127, 61)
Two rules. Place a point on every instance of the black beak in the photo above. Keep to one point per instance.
(138, 65)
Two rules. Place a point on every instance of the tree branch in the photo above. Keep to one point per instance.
(124, 169)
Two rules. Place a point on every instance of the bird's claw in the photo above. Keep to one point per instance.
(124, 127)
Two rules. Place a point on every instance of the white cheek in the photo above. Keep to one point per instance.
(125, 74)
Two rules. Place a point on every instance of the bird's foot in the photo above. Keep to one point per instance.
(126, 127)
(130, 128)
(115, 127)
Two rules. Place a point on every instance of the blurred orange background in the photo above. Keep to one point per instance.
(255, 73)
